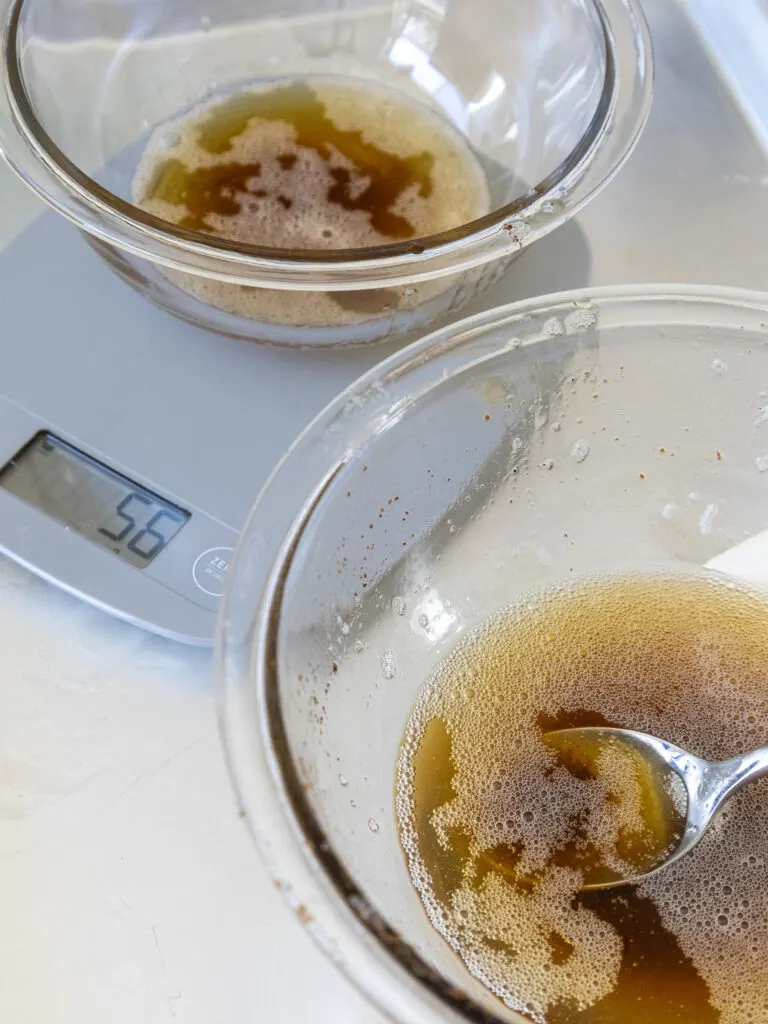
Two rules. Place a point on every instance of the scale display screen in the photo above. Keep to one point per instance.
(92, 499)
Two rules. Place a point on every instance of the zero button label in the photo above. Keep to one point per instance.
(210, 570)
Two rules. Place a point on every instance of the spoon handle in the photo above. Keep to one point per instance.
(720, 779)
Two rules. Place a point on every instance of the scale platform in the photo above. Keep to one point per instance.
(134, 444)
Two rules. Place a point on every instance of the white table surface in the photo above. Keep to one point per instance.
(129, 889)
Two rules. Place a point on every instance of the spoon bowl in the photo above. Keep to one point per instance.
(674, 778)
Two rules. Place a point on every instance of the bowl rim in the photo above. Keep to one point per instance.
(348, 928)
(619, 116)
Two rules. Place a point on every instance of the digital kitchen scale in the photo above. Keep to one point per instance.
(132, 445)
(117, 417)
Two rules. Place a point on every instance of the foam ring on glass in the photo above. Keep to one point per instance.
(550, 96)
(607, 431)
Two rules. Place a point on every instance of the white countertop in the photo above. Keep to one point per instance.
(130, 890)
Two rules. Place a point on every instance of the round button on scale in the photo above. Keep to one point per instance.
(210, 570)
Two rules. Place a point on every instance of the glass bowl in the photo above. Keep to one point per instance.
(551, 96)
(609, 430)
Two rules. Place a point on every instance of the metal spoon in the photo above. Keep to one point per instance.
(708, 784)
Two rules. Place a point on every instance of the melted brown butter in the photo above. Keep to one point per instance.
(219, 189)
(503, 827)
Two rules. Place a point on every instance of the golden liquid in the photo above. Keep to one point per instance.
(271, 166)
(501, 831)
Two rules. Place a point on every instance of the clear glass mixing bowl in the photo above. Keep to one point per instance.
(603, 430)
(550, 94)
